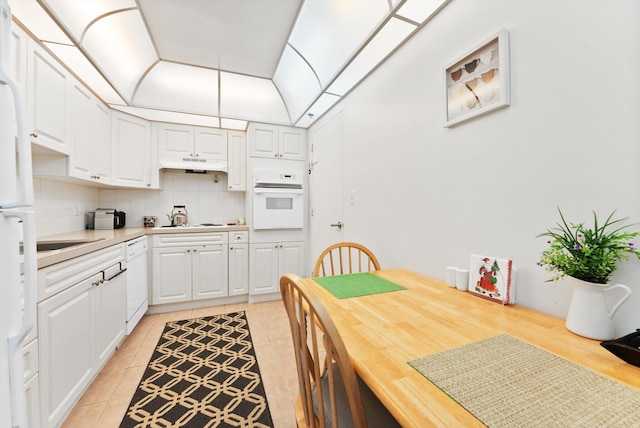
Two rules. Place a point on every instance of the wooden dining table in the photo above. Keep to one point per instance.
(383, 332)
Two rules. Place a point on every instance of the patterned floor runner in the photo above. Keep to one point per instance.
(203, 373)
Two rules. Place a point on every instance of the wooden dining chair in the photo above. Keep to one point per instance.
(345, 257)
(331, 394)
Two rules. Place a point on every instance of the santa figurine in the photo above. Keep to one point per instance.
(488, 278)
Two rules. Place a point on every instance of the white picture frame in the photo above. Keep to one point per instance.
(478, 82)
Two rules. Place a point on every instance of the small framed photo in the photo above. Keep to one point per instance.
(478, 82)
(492, 278)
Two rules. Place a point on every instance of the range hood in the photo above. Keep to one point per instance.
(195, 164)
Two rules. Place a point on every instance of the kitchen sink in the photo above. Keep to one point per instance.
(60, 245)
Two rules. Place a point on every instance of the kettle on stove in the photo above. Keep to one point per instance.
(178, 218)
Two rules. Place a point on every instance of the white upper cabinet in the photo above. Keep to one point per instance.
(276, 142)
(47, 99)
(89, 130)
(182, 142)
(102, 142)
(210, 143)
(131, 156)
(237, 161)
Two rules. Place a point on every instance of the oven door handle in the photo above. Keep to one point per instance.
(277, 191)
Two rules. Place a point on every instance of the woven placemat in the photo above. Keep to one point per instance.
(505, 382)
(357, 284)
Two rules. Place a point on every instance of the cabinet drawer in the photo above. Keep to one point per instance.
(60, 276)
(239, 237)
(190, 239)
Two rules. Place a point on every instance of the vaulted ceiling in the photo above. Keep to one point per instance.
(223, 62)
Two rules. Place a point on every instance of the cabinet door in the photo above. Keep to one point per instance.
(263, 268)
(210, 271)
(175, 141)
(238, 269)
(263, 141)
(211, 143)
(131, 151)
(110, 310)
(81, 133)
(101, 142)
(66, 349)
(47, 83)
(237, 161)
(292, 143)
(292, 258)
(171, 275)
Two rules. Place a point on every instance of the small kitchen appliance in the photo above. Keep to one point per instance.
(119, 219)
(109, 218)
(178, 218)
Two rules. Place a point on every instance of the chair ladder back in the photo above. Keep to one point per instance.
(318, 346)
(343, 257)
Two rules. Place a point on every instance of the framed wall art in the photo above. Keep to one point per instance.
(478, 82)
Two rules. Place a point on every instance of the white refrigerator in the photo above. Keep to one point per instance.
(17, 229)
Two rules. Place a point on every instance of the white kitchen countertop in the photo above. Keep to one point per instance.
(106, 238)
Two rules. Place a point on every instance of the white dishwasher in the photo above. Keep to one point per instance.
(137, 287)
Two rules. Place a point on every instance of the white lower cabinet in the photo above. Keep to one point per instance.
(189, 266)
(110, 309)
(210, 272)
(269, 261)
(67, 362)
(238, 263)
(81, 320)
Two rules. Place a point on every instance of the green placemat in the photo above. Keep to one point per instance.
(507, 383)
(357, 284)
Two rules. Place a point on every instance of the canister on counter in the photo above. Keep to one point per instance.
(149, 221)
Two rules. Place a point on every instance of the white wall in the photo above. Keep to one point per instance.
(207, 201)
(428, 196)
(61, 206)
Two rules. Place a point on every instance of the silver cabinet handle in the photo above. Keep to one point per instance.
(338, 225)
(34, 134)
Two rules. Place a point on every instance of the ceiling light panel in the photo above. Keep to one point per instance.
(389, 37)
(32, 16)
(77, 15)
(324, 103)
(419, 10)
(179, 87)
(244, 37)
(249, 97)
(120, 45)
(74, 60)
(296, 81)
(327, 33)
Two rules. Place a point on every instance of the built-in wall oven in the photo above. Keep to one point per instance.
(278, 201)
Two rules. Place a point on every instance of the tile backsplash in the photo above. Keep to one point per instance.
(61, 206)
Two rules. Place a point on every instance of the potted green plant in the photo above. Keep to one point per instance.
(588, 256)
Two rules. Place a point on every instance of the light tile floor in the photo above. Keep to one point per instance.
(105, 402)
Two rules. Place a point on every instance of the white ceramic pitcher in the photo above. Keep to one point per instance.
(588, 314)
